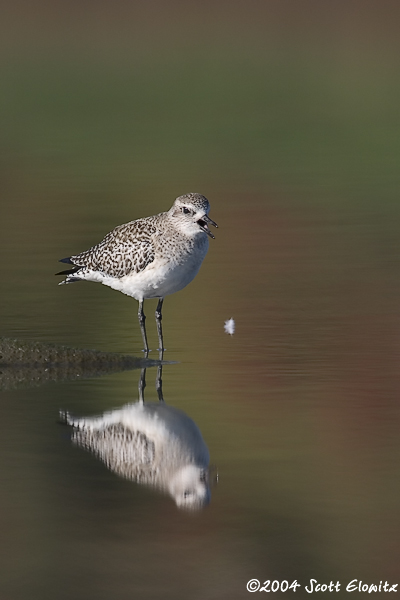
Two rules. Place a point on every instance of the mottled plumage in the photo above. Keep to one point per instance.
(150, 257)
(153, 444)
(127, 248)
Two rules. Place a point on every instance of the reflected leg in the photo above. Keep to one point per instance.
(159, 383)
(159, 327)
(142, 320)
(142, 385)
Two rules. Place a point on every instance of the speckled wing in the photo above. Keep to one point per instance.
(127, 248)
(128, 453)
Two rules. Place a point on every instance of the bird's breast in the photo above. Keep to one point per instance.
(172, 269)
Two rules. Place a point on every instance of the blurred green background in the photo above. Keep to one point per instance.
(285, 114)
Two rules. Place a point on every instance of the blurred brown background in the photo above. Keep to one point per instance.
(286, 116)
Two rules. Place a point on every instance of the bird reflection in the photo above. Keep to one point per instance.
(152, 444)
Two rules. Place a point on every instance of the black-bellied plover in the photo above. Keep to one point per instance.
(150, 257)
(153, 444)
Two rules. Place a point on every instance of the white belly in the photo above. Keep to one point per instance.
(160, 278)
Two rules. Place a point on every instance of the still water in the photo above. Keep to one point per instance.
(298, 411)
(285, 115)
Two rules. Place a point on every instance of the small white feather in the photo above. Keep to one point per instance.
(229, 326)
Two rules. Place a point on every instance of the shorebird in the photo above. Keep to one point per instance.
(150, 257)
(153, 444)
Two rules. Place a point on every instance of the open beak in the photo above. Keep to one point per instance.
(212, 475)
(203, 222)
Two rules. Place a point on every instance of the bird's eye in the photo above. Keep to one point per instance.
(187, 493)
(185, 210)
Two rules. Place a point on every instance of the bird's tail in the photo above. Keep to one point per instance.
(69, 272)
(64, 417)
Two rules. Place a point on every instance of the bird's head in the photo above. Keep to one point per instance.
(190, 487)
(190, 214)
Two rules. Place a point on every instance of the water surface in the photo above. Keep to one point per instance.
(294, 141)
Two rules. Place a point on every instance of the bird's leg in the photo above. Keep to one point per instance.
(142, 385)
(159, 383)
(159, 328)
(142, 320)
